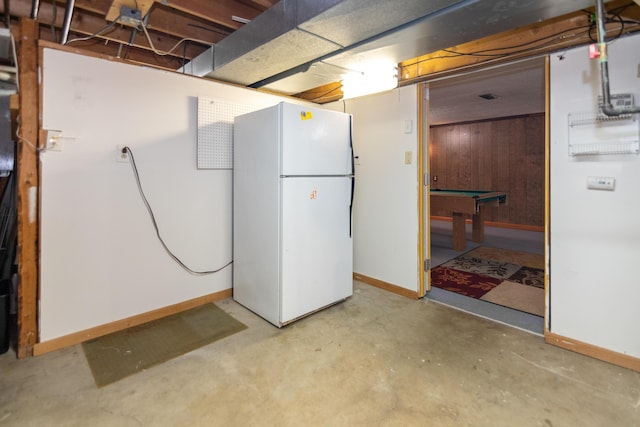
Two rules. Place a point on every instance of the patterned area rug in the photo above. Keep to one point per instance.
(513, 279)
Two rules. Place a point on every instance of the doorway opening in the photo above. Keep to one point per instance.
(487, 136)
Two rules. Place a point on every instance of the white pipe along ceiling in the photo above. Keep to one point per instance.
(298, 45)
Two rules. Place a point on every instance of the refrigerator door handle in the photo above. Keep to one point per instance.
(353, 166)
(353, 185)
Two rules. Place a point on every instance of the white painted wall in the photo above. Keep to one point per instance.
(100, 258)
(386, 197)
(595, 235)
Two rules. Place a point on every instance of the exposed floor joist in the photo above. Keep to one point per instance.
(186, 26)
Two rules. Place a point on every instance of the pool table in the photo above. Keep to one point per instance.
(460, 203)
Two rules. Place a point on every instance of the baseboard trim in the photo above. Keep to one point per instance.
(118, 325)
(596, 352)
(386, 286)
(497, 224)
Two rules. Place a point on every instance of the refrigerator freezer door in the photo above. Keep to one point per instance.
(316, 258)
(314, 141)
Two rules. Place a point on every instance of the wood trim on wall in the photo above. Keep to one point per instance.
(547, 190)
(596, 352)
(28, 187)
(422, 124)
(386, 286)
(98, 331)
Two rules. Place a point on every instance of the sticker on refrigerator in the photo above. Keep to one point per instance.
(306, 115)
(314, 194)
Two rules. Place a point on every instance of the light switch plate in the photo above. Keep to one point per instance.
(408, 157)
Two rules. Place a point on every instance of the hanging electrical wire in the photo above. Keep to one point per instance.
(593, 27)
(556, 39)
(97, 33)
(162, 53)
(128, 151)
(142, 26)
(25, 140)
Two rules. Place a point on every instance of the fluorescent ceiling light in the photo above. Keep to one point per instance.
(378, 77)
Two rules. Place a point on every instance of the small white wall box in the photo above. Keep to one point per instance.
(601, 183)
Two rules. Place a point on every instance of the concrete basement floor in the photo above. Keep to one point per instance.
(377, 359)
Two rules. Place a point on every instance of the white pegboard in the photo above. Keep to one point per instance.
(215, 132)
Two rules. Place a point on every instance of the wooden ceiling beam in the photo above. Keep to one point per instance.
(184, 26)
(218, 12)
(262, 5)
(536, 39)
(88, 24)
(164, 20)
(628, 12)
(466, 54)
(323, 94)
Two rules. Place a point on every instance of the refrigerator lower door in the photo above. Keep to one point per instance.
(316, 249)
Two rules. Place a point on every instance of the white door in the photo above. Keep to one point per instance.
(315, 142)
(317, 261)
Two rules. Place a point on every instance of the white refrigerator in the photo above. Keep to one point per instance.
(293, 183)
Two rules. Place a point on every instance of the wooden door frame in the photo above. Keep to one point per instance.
(423, 168)
(424, 234)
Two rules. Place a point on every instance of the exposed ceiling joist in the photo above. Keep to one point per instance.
(532, 40)
(169, 22)
(166, 20)
(219, 12)
(88, 24)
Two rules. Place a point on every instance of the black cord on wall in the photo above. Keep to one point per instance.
(127, 150)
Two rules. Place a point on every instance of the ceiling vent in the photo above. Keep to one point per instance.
(489, 96)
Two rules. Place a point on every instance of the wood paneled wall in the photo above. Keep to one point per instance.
(504, 154)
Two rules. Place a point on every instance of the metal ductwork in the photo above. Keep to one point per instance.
(296, 32)
(300, 44)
